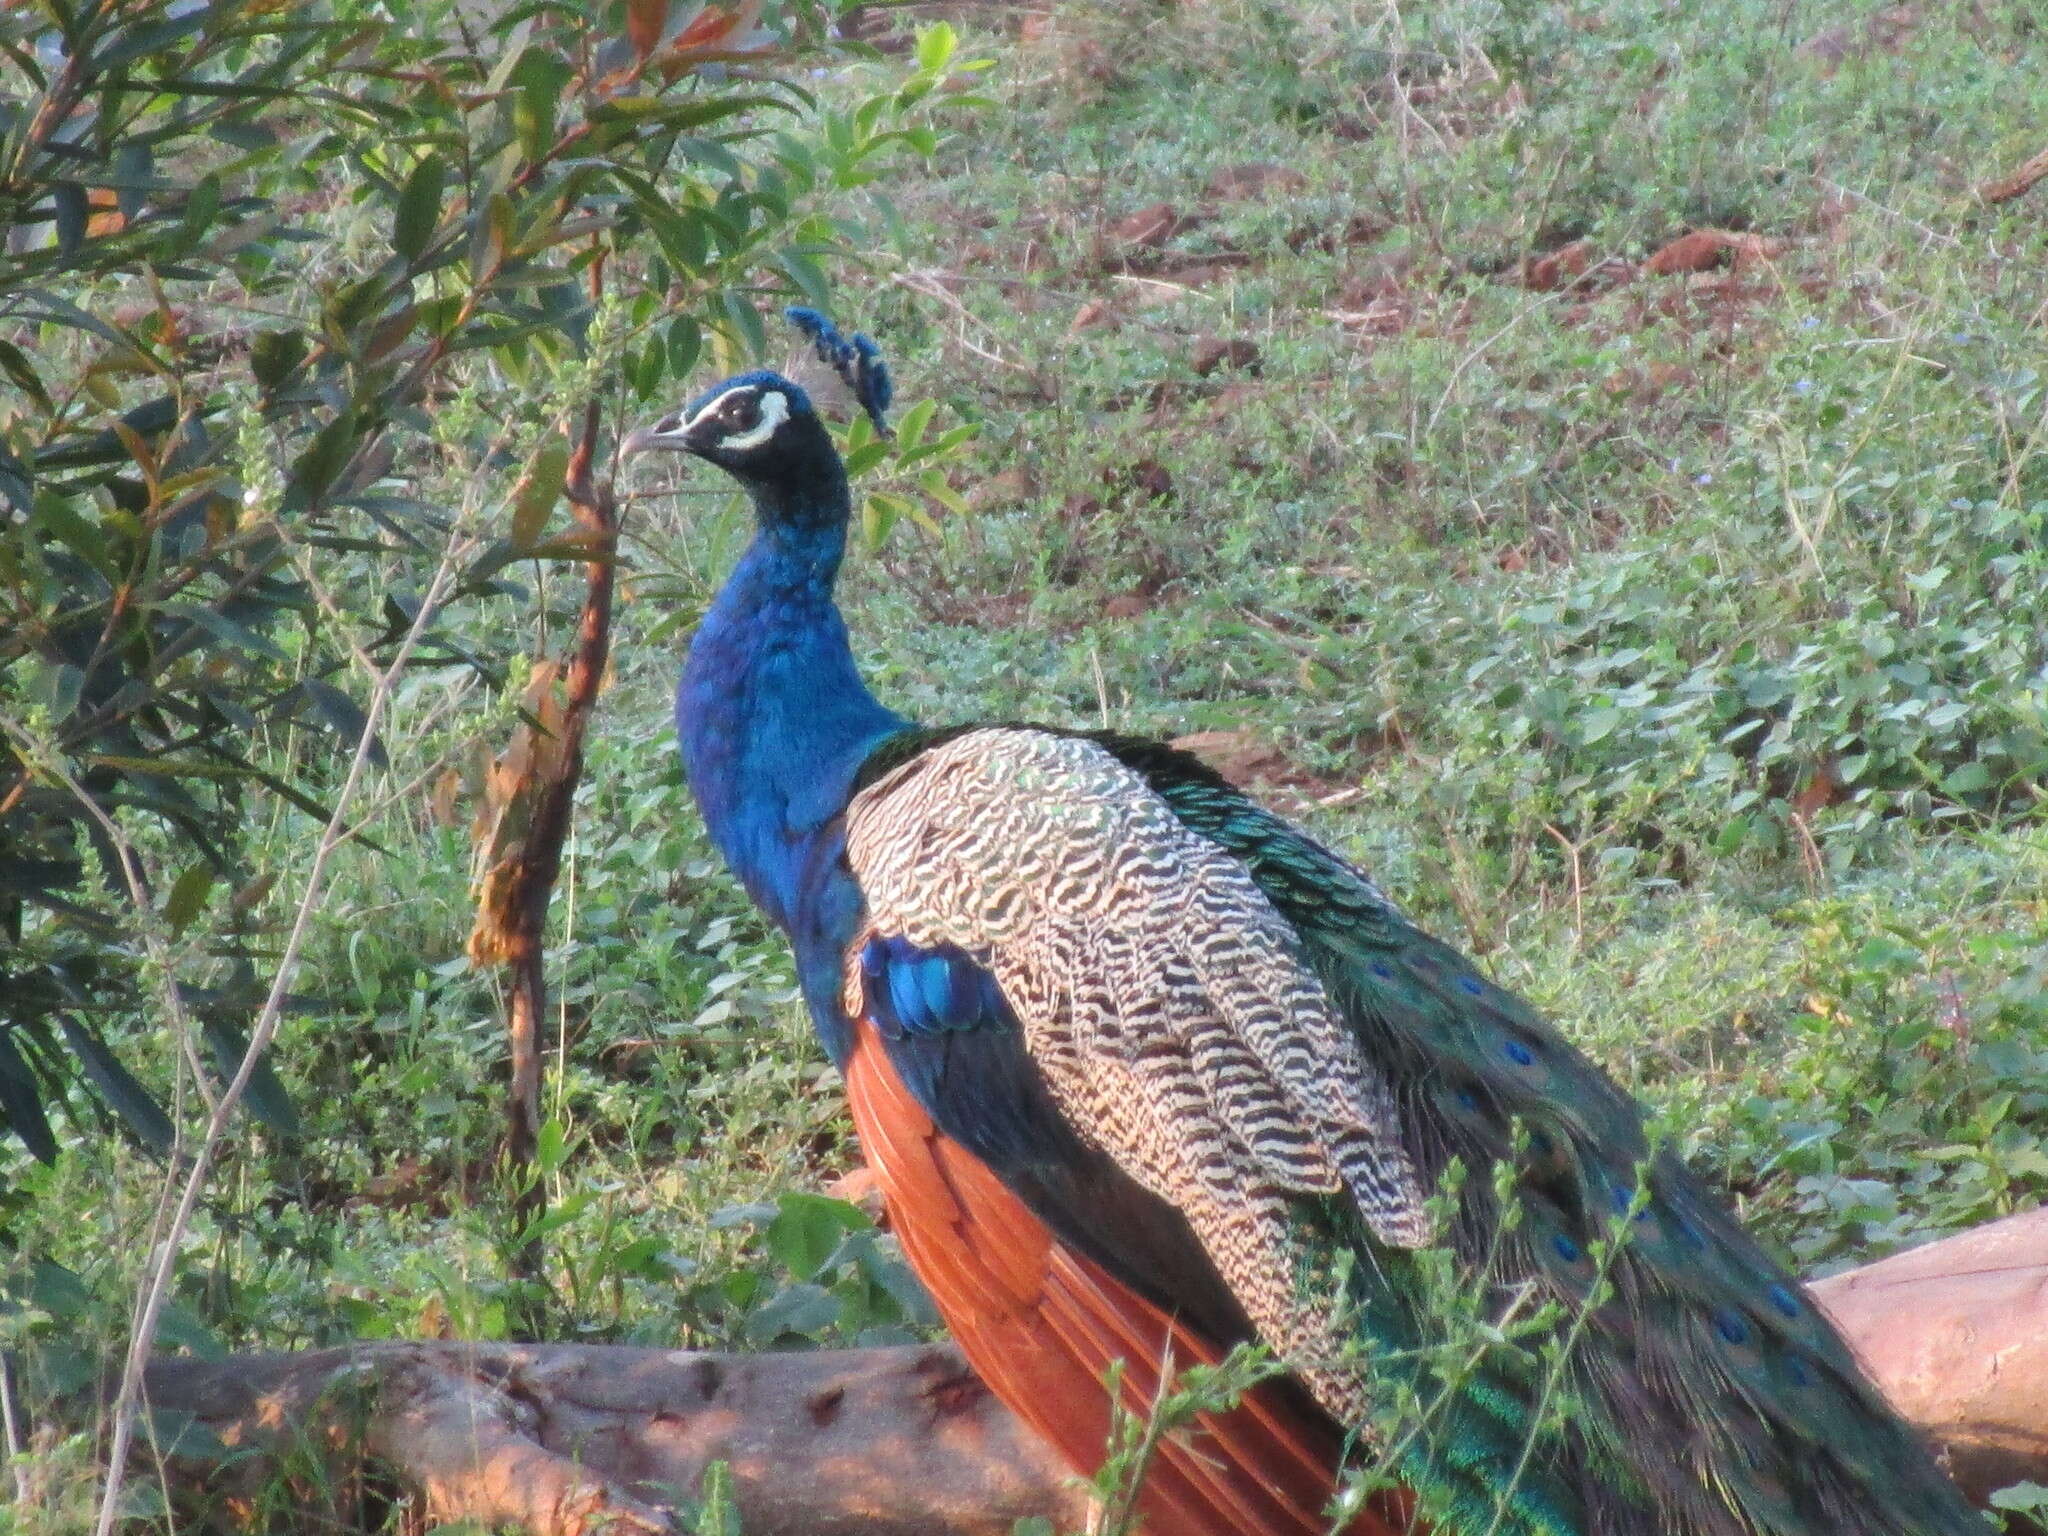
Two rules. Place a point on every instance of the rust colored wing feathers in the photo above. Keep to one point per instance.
(1042, 1324)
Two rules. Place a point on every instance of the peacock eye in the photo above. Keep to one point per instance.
(742, 412)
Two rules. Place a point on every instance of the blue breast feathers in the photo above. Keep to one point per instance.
(913, 991)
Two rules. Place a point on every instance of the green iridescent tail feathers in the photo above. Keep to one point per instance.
(1596, 1346)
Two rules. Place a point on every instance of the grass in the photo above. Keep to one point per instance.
(1673, 642)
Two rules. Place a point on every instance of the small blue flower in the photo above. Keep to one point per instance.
(1803, 387)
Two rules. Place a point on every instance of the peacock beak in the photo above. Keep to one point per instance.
(671, 434)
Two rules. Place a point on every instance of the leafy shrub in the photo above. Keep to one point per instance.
(272, 270)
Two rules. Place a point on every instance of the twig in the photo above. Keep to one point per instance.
(517, 889)
(1934, 236)
(1179, 290)
(1809, 852)
(1475, 353)
(16, 1447)
(1119, 1512)
(2006, 188)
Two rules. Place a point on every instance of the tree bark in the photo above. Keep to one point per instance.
(535, 784)
(568, 1440)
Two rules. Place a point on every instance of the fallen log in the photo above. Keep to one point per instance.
(568, 1439)
(1956, 1335)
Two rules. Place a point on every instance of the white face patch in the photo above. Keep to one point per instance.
(774, 406)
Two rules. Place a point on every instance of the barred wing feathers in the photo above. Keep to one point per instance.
(1240, 1022)
(1160, 995)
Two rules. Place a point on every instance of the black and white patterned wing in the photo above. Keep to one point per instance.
(1161, 995)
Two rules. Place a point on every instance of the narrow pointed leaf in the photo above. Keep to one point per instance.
(343, 717)
(419, 208)
(21, 1101)
(188, 896)
(266, 1097)
(138, 1110)
(533, 500)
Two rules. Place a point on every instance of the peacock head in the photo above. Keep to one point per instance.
(758, 428)
(762, 429)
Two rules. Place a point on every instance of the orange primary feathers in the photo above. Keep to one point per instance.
(1041, 1325)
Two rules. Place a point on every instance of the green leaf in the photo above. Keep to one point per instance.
(64, 312)
(315, 469)
(911, 427)
(746, 321)
(717, 1511)
(490, 234)
(56, 686)
(15, 364)
(419, 207)
(862, 457)
(265, 1096)
(224, 629)
(57, 1290)
(139, 42)
(1968, 779)
(61, 519)
(727, 1217)
(650, 368)
(806, 1230)
(712, 153)
(129, 1099)
(201, 208)
(878, 515)
(539, 488)
(538, 79)
(668, 112)
(807, 275)
(343, 717)
(933, 483)
(274, 354)
(179, 1325)
(685, 342)
(188, 896)
(2021, 1498)
(551, 1148)
(936, 46)
(799, 1309)
(21, 1102)
(1598, 724)
(72, 212)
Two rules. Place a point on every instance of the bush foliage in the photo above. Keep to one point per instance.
(273, 273)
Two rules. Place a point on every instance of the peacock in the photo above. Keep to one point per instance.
(1146, 1071)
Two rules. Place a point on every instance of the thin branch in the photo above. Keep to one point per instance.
(2006, 188)
(16, 1447)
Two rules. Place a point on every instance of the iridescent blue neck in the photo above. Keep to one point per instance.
(772, 714)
